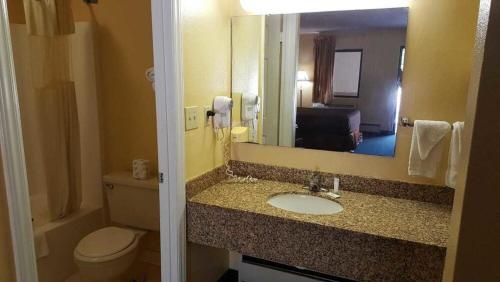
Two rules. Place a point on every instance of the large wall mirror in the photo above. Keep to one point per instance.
(327, 81)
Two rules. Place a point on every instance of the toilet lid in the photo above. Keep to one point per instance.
(104, 242)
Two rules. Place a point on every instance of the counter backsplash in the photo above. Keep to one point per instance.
(387, 188)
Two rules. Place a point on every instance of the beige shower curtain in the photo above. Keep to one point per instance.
(49, 24)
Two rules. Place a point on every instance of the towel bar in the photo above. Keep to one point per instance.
(405, 122)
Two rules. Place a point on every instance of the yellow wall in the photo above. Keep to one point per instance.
(439, 57)
(475, 226)
(247, 69)
(125, 51)
(306, 54)
(207, 73)
(207, 70)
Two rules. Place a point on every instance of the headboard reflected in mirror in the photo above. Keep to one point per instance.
(326, 81)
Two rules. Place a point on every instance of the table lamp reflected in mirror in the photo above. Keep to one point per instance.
(302, 78)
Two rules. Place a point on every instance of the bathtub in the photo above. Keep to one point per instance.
(39, 210)
(60, 237)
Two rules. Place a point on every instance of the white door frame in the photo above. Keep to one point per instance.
(167, 44)
(14, 168)
(272, 80)
(288, 95)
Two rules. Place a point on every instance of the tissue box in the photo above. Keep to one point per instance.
(140, 169)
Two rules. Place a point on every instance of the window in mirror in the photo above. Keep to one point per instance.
(347, 79)
(401, 68)
(347, 73)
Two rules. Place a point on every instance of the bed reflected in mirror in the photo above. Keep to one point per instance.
(326, 81)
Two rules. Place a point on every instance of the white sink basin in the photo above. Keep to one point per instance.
(305, 204)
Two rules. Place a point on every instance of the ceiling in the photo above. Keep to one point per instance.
(359, 19)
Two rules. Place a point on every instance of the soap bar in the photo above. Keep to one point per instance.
(332, 195)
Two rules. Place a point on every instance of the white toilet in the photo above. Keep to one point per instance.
(106, 254)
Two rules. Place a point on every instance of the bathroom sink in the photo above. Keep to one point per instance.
(305, 204)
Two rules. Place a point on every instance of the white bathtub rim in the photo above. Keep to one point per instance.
(86, 209)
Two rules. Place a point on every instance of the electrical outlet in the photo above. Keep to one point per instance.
(191, 117)
(208, 120)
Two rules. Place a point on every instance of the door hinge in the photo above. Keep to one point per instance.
(160, 177)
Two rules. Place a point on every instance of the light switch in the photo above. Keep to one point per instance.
(191, 117)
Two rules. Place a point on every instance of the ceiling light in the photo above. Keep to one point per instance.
(305, 6)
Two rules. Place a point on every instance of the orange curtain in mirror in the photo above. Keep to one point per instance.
(324, 60)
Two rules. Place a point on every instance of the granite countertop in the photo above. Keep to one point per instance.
(418, 222)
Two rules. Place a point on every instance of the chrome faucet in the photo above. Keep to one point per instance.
(316, 182)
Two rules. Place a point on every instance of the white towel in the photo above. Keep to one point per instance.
(222, 109)
(455, 154)
(426, 147)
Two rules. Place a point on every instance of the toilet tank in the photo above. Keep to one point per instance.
(133, 202)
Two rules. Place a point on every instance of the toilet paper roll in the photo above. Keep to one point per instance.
(140, 169)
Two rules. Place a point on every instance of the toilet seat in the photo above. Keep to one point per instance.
(105, 244)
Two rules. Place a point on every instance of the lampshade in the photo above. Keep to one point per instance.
(301, 6)
(302, 76)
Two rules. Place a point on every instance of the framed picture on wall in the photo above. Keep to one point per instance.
(347, 73)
